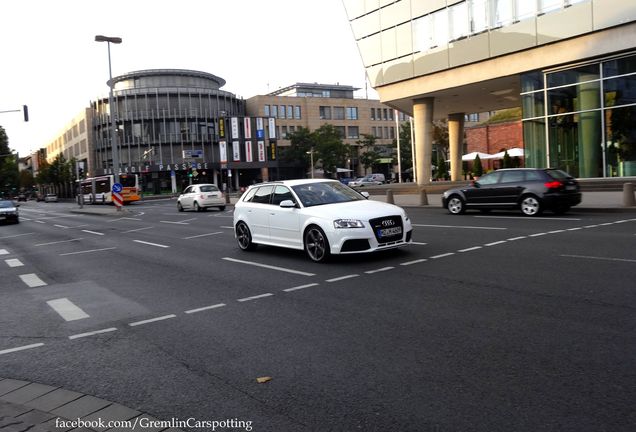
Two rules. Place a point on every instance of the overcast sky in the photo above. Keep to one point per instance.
(50, 61)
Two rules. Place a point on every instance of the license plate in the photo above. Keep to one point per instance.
(570, 187)
(387, 232)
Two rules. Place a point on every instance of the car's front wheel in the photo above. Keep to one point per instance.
(179, 206)
(455, 205)
(316, 244)
(244, 237)
(196, 207)
(531, 206)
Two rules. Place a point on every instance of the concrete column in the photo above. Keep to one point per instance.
(455, 141)
(423, 125)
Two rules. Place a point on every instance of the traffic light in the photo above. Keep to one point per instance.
(25, 111)
(189, 173)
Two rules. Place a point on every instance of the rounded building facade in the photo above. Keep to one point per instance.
(168, 127)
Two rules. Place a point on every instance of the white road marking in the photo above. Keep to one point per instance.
(421, 260)
(299, 287)
(590, 226)
(516, 238)
(537, 235)
(87, 251)
(22, 348)
(418, 243)
(470, 249)
(61, 241)
(137, 229)
(60, 226)
(148, 321)
(342, 278)
(17, 235)
(555, 231)
(574, 229)
(176, 223)
(124, 218)
(93, 333)
(227, 227)
(32, 280)
(459, 227)
(383, 269)
(442, 255)
(255, 297)
(203, 235)
(39, 221)
(93, 232)
(14, 262)
(529, 218)
(283, 269)
(67, 309)
(4, 252)
(600, 258)
(151, 244)
(495, 243)
(201, 309)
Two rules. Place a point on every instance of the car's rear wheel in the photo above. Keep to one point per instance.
(455, 205)
(316, 244)
(179, 207)
(221, 208)
(531, 205)
(196, 207)
(244, 237)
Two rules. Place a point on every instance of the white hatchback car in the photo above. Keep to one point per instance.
(323, 217)
(199, 197)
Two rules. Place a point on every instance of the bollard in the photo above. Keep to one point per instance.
(423, 197)
(389, 196)
(628, 195)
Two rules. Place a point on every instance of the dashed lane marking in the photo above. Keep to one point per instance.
(93, 232)
(337, 279)
(383, 269)
(152, 320)
(470, 249)
(67, 309)
(151, 244)
(60, 241)
(256, 297)
(442, 255)
(495, 243)
(529, 218)
(32, 280)
(21, 348)
(14, 262)
(417, 261)
(299, 287)
(87, 251)
(137, 229)
(271, 267)
(93, 333)
(203, 235)
(516, 238)
(17, 235)
(205, 308)
(459, 227)
(600, 258)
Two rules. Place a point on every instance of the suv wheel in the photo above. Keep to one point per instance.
(316, 244)
(455, 205)
(244, 237)
(530, 205)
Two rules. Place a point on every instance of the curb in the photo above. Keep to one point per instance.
(25, 405)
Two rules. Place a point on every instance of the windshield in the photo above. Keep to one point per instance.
(312, 194)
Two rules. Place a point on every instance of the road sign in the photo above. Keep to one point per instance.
(117, 200)
(188, 154)
(117, 187)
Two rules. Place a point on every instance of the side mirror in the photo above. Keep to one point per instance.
(365, 194)
(287, 204)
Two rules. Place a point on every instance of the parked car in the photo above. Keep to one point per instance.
(530, 190)
(22, 197)
(322, 217)
(9, 211)
(365, 181)
(199, 197)
(50, 197)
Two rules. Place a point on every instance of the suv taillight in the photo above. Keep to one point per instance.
(553, 184)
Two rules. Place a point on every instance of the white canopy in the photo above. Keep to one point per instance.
(471, 156)
(513, 152)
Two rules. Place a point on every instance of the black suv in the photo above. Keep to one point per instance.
(531, 190)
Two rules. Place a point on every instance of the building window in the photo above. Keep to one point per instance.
(474, 117)
(479, 16)
(274, 111)
(297, 112)
(459, 23)
(353, 132)
(281, 111)
(374, 132)
(372, 113)
(338, 113)
(392, 132)
(352, 113)
(341, 131)
(325, 112)
(390, 114)
(290, 112)
(283, 132)
(385, 114)
(266, 110)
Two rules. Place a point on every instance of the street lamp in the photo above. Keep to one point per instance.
(113, 120)
(311, 153)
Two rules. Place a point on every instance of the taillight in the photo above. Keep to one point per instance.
(201, 196)
(553, 184)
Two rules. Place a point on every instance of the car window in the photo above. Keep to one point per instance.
(262, 195)
(187, 190)
(558, 174)
(533, 176)
(249, 195)
(489, 179)
(6, 204)
(311, 194)
(208, 188)
(281, 193)
(512, 177)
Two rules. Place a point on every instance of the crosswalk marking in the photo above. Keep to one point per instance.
(67, 309)
(32, 280)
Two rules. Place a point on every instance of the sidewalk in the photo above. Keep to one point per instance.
(609, 201)
(41, 408)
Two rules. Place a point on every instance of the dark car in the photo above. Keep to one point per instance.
(9, 211)
(530, 190)
(22, 197)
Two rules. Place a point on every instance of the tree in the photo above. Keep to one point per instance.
(369, 155)
(301, 143)
(478, 169)
(8, 166)
(442, 169)
(330, 150)
(507, 162)
(26, 180)
(406, 155)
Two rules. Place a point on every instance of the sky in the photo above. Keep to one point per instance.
(49, 59)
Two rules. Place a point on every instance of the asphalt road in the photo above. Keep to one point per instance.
(490, 322)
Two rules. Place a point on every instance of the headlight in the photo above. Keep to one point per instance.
(347, 223)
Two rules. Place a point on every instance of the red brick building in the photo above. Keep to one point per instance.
(494, 138)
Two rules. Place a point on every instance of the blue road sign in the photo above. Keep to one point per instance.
(117, 187)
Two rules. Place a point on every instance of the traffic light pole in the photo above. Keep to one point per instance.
(80, 195)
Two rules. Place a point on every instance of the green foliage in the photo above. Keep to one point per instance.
(506, 115)
(325, 142)
(8, 166)
(369, 155)
(406, 155)
(442, 169)
(478, 169)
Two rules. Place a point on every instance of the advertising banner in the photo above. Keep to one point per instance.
(223, 151)
(235, 127)
(260, 128)
(248, 151)
(272, 128)
(236, 151)
(247, 127)
(261, 151)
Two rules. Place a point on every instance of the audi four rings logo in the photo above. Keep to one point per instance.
(388, 223)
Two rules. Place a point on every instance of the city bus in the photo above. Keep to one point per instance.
(98, 190)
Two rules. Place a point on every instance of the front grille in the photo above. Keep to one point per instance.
(383, 226)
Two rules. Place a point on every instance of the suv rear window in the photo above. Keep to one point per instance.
(558, 174)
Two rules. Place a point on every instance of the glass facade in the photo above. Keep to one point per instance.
(582, 119)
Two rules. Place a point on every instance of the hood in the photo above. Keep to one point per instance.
(363, 210)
